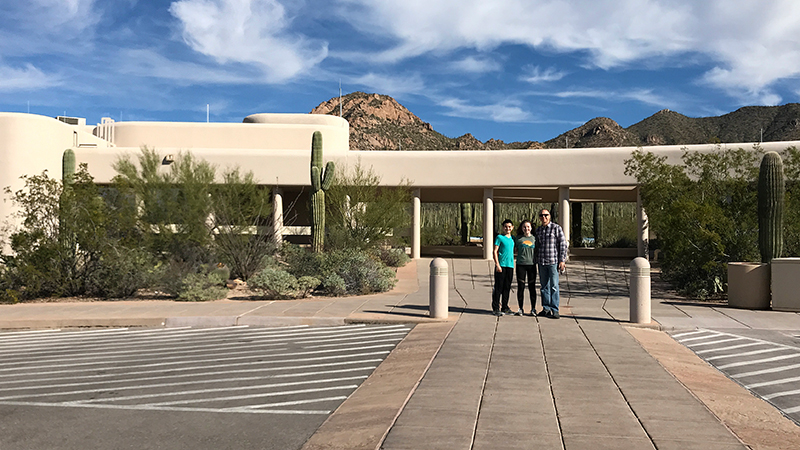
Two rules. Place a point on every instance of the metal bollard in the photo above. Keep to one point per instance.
(439, 291)
(640, 291)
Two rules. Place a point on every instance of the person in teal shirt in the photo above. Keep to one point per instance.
(503, 269)
(526, 266)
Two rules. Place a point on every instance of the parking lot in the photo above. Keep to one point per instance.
(766, 362)
(302, 373)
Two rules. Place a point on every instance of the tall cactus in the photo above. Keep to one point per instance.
(67, 180)
(466, 222)
(771, 190)
(320, 182)
(598, 223)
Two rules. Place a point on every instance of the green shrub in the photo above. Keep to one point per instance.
(393, 257)
(361, 273)
(274, 283)
(121, 273)
(199, 287)
(334, 285)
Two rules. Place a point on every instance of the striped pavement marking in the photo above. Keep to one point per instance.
(768, 369)
(287, 370)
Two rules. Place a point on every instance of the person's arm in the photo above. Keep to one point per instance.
(562, 250)
(496, 254)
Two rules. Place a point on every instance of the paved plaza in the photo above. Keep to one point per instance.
(586, 381)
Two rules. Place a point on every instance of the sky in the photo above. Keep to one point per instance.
(515, 70)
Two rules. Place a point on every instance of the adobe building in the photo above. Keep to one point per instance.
(276, 148)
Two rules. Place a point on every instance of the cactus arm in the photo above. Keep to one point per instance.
(771, 190)
(316, 150)
(328, 179)
(68, 167)
(315, 179)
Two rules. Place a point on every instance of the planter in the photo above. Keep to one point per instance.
(785, 284)
(748, 285)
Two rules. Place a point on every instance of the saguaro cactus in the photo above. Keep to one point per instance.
(598, 223)
(320, 182)
(771, 188)
(466, 222)
(68, 167)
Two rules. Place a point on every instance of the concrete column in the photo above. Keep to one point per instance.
(488, 223)
(277, 215)
(416, 227)
(563, 211)
(643, 227)
(439, 291)
(640, 291)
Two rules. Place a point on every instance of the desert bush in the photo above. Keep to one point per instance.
(703, 211)
(199, 287)
(393, 257)
(361, 214)
(278, 283)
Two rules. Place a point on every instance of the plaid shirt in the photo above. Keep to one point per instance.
(551, 245)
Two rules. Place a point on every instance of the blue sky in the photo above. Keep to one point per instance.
(514, 70)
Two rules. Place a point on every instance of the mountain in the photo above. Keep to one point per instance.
(379, 122)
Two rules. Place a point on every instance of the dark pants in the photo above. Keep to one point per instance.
(502, 285)
(525, 272)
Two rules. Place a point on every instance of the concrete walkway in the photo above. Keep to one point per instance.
(479, 382)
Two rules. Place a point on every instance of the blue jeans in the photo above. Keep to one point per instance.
(548, 278)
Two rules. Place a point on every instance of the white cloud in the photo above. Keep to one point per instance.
(646, 96)
(536, 75)
(248, 31)
(394, 86)
(472, 64)
(751, 43)
(28, 78)
(149, 63)
(498, 112)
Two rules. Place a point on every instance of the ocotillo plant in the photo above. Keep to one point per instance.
(466, 222)
(320, 182)
(771, 190)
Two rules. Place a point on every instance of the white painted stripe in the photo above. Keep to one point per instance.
(774, 344)
(730, 347)
(180, 360)
(766, 371)
(715, 342)
(228, 389)
(710, 335)
(772, 383)
(339, 344)
(754, 352)
(248, 397)
(688, 333)
(353, 338)
(182, 383)
(175, 369)
(27, 332)
(294, 402)
(161, 341)
(166, 377)
(782, 394)
(759, 361)
(167, 408)
(792, 410)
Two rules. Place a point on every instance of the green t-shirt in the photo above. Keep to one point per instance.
(506, 250)
(525, 246)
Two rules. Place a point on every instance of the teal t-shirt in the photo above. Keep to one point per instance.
(525, 247)
(506, 250)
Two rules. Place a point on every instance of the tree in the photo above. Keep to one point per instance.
(703, 212)
(362, 214)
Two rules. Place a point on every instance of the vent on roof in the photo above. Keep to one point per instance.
(72, 120)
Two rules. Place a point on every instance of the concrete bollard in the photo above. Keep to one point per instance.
(439, 293)
(640, 290)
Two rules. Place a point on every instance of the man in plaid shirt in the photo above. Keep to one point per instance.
(550, 256)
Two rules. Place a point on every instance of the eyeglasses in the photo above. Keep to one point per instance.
(544, 215)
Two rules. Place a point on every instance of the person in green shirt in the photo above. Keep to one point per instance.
(526, 266)
(503, 269)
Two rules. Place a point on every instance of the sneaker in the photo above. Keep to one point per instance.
(519, 312)
(554, 315)
(542, 313)
(508, 312)
(497, 313)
